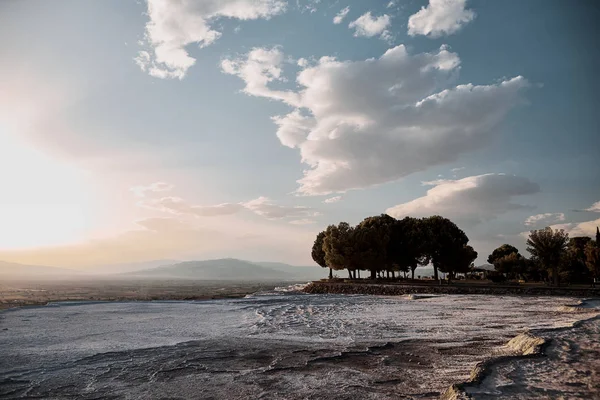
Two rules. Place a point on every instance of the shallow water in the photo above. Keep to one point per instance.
(269, 345)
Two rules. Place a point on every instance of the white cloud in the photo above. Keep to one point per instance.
(368, 26)
(457, 169)
(334, 199)
(339, 17)
(391, 4)
(178, 206)
(440, 17)
(469, 200)
(587, 228)
(363, 123)
(173, 25)
(544, 218)
(310, 6)
(261, 206)
(594, 207)
(266, 208)
(304, 221)
(141, 191)
(302, 62)
(261, 67)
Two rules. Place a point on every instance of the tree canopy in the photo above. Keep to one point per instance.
(502, 251)
(382, 244)
(548, 246)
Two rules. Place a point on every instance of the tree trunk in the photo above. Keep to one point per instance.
(413, 273)
(330, 273)
(404, 274)
(349, 274)
(555, 275)
(393, 275)
(373, 272)
(435, 272)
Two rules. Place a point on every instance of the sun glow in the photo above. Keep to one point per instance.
(43, 201)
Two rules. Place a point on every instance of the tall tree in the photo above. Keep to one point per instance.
(597, 236)
(406, 250)
(318, 254)
(573, 266)
(548, 246)
(338, 246)
(444, 240)
(459, 260)
(592, 259)
(372, 240)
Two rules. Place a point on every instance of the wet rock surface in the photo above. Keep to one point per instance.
(269, 346)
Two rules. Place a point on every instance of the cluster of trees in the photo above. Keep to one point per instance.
(553, 256)
(385, 245)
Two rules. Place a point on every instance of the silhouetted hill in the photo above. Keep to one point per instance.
(229, 269)
(301, 271)
(122, 268)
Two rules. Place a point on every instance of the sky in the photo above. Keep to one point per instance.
(140, 130)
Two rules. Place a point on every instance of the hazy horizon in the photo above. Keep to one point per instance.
(149, 130)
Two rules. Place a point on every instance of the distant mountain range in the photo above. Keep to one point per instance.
(129, 267)
(221, 269)
(231, 269)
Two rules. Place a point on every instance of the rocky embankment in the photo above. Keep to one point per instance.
(385, 289)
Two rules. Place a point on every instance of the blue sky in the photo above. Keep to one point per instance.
(101, 97)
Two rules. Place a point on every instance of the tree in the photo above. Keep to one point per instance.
(338, 246)
(573, 266)
(444, 240)
(592, 258)
(512, 265)
(548, 246)
(406, 250)
(502, 251)
(460, 260)
(372, 237)
(318, 254)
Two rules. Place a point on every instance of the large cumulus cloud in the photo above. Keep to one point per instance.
(367, 122)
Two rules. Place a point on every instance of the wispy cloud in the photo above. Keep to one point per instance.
(155, 187)
(594, 207)
(547, 218)
(262, 206)
(339, 17)
(334, 199)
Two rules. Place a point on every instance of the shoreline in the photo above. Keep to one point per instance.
(11, 306)
(401, 289)
(35, 294)
(526, 345)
